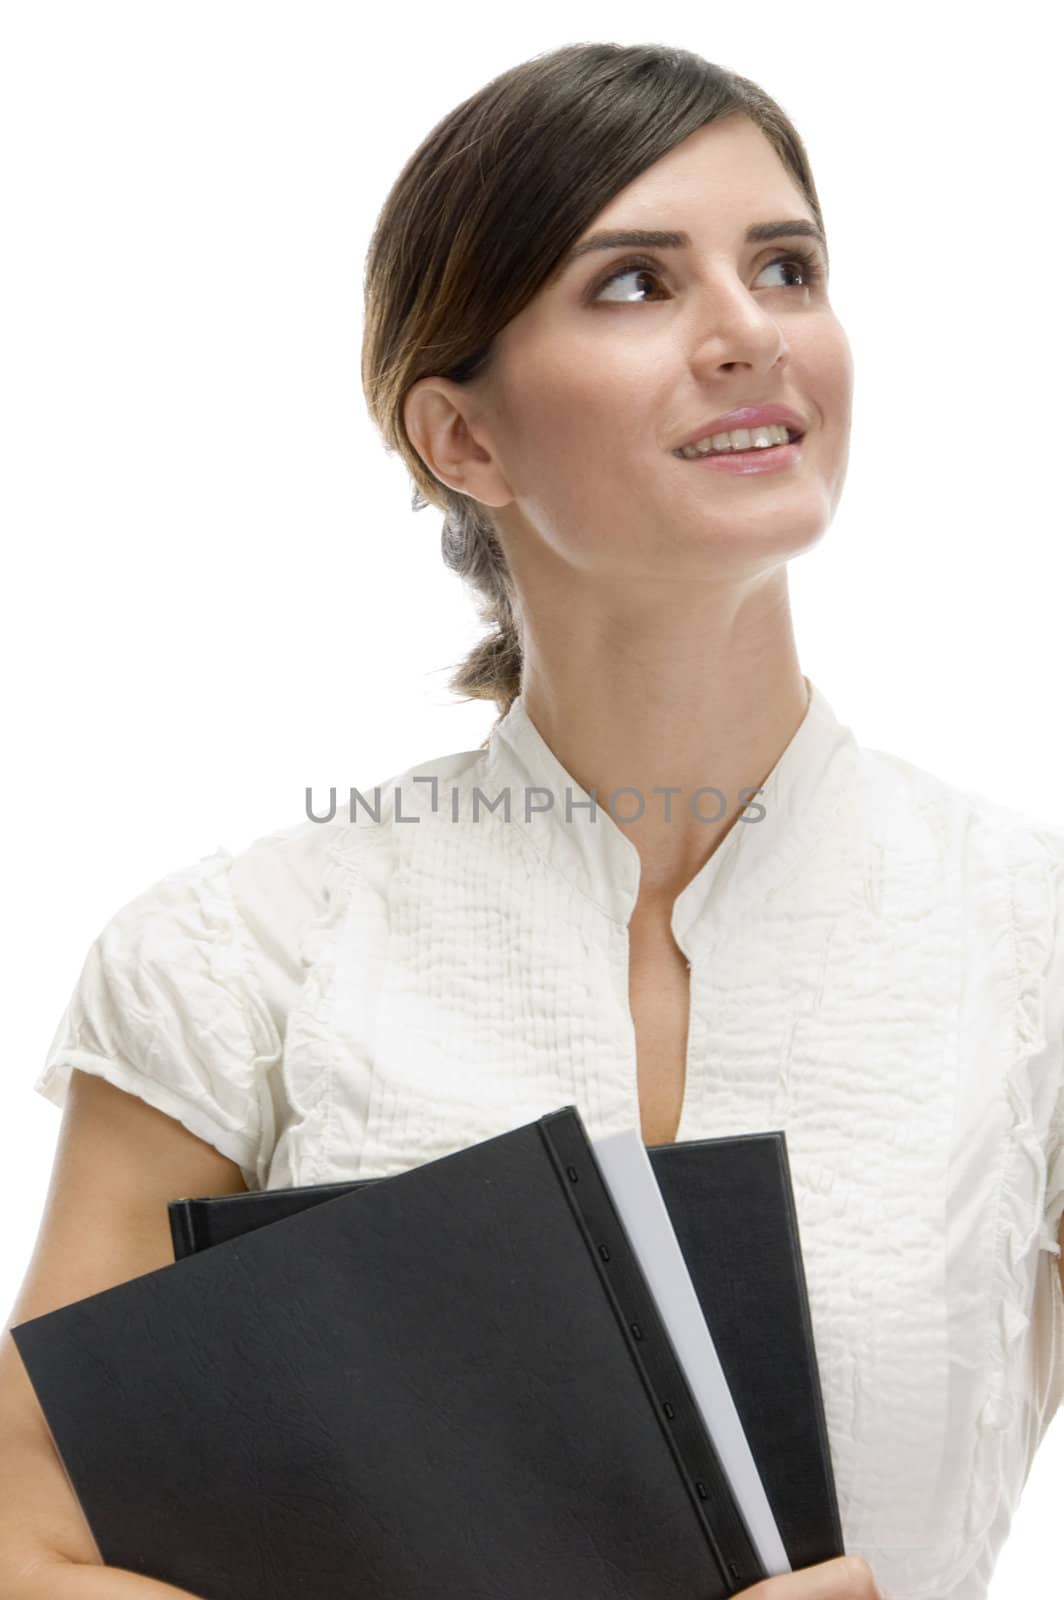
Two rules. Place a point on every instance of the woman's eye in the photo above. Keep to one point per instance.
(631, 269)
(807, 265)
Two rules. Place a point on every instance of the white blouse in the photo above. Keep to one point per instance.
(877, 967)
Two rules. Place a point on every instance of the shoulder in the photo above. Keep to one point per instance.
(256, 895)
(374, 828)
(278, 879)
(283, 883)
(985, 877)
(262, 895)
(915, 808)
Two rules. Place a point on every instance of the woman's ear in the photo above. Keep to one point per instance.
(440, 418)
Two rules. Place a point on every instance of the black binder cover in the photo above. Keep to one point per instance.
(731, 1204)
(454, 1382)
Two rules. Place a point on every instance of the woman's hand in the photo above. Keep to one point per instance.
(845, 1578)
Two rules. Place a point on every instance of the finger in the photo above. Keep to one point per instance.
(845, 1578)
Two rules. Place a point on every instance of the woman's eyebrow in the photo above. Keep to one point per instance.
(672, 239)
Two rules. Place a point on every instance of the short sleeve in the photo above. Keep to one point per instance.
(168, 1007)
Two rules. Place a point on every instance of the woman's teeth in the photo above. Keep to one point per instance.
(738, 439)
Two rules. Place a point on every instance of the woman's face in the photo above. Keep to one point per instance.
(594, 384)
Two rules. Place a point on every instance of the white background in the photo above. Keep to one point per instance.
(216, 593)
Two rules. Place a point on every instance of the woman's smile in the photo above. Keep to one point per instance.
(754, 458)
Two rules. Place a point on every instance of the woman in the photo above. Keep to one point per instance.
(607, 255)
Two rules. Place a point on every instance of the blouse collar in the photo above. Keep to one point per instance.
(800, 797)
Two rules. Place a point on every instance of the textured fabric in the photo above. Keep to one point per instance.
(877, 967)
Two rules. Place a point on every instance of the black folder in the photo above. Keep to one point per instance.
(453, 1382)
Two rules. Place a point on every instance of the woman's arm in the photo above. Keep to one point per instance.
(118, 1162)
(71, 1581)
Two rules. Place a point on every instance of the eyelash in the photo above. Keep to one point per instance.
(806, 259)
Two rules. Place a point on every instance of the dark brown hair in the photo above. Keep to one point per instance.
(473, 226)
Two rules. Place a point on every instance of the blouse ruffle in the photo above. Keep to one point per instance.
(310, 1048)
(1025, 1296)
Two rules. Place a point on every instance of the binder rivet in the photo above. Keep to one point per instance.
(636, 1329)
(733, 1569)
(604, 1252)
(574, 1176)
(669, 1409)
(703, 1492)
